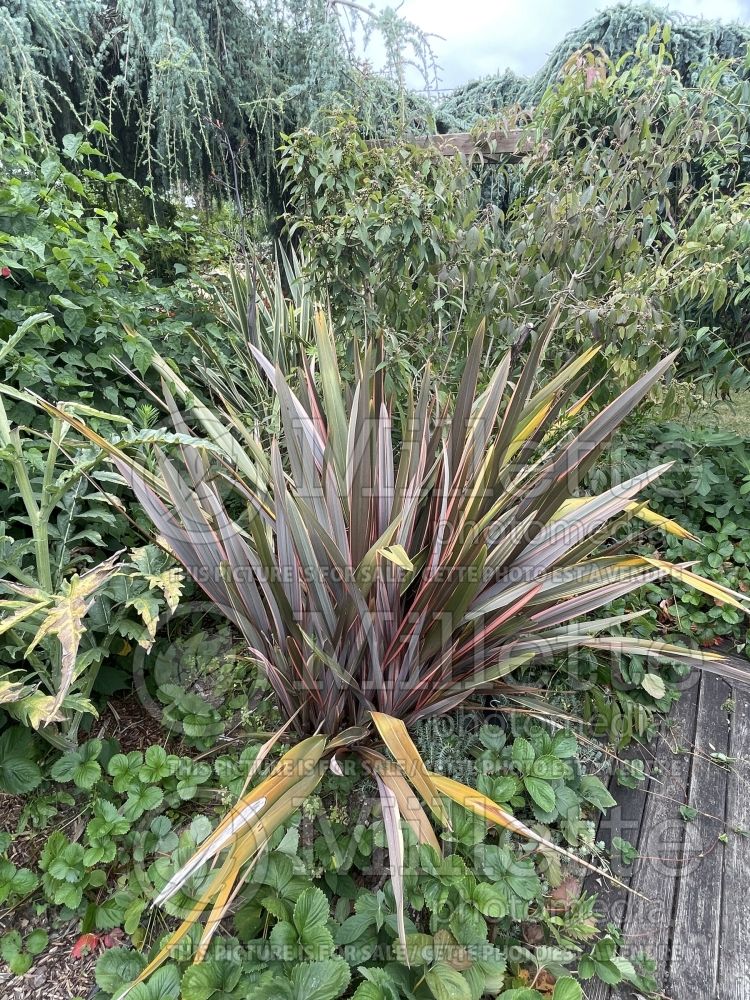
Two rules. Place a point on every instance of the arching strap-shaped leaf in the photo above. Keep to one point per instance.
(396, 737)
(708, 587)
(252, 841)
(248, 849)
(714, 663)
(395, 837)
(408, 803)
(639, 509)
(296, 764)
(174, 939)
(492, 813)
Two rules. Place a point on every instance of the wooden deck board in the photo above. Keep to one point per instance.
(648, 922)
(694, 957)
(645, 817)
(696, 922)
(734, 950)
(623, 820)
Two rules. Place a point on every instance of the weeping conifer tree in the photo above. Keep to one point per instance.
(185, 85)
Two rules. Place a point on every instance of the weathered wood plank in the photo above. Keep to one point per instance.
(694, 957)
(647, 925)
(695, 923)
(623, 820)
(734, 954)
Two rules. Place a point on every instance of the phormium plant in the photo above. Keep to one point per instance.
(386, 565)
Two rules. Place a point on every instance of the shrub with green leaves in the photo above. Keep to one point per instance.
(391, 235)
(64, 255)
(631, 201)
(631, 198)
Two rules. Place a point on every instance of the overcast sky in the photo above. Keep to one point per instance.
(484, 36)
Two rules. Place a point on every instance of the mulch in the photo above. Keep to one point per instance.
(55, 975)
(128, 720)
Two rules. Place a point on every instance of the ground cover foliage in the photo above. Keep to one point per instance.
(302, 424)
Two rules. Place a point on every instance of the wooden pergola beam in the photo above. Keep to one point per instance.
(490, 145)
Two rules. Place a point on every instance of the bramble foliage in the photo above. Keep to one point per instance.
(71, 278)
(707, 489)
(63, 255)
